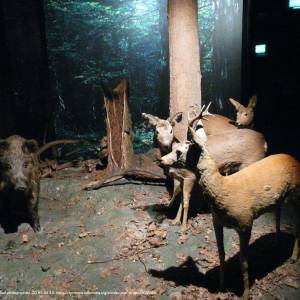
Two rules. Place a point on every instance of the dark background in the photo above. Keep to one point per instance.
(59, 86)
(275, 77)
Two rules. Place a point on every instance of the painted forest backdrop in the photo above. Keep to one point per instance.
(79, 43)
(90, 42)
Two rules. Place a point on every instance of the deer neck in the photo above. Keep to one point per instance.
(211, 179)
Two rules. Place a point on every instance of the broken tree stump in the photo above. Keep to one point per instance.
(119, 128)
(122, 162)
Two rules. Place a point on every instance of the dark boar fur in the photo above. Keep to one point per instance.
(19, 183)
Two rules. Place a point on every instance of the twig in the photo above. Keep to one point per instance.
(92, 262)
(121, 257)
(142, 263)
(79, 274)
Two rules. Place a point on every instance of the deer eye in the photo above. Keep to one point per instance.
(171, 131)
(246, 114)
(26, 164)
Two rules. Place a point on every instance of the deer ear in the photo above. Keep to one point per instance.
(196, 138)
(30, 146)
(152, 120)
(175, 118)
(235, 103)
(253, 101)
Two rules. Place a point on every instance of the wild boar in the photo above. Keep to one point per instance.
(19, 183)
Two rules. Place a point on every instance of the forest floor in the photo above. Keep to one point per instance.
(114, 240)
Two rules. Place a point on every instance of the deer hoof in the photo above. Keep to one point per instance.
(292, 260)
(175, 222)
(183, 229)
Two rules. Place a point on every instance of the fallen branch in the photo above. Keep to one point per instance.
(129, 173)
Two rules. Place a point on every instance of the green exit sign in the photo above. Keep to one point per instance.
(260, 49)
(295, 4)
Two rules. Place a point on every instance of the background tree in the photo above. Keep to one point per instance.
(185, 76)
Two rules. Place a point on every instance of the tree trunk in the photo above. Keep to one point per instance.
(185, 76)
(118, 124)
(122, 162)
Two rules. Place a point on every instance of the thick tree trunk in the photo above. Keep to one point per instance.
(185, 76)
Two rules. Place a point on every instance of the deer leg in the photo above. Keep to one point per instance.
(244, 242)
(179, 212)
(176, 191)
(277, 220)
(220, 243)
(188, 184)
(295, 254)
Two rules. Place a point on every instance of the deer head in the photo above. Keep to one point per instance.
(177, 157)
(199, 117)
(164, 132)
(244, 115)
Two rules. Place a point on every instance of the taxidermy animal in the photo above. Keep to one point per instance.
(238, 199)
(164, 133)
(244, 115)
(216, 124)
(20, 181)
(232, 150)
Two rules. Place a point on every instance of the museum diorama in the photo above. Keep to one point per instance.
(149, 149)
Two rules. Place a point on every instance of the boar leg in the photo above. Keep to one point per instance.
(33, 212)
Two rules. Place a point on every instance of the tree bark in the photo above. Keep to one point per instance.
(184, 50)
(118, 125)
(122, 162)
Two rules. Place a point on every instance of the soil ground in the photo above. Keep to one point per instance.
(115, 243)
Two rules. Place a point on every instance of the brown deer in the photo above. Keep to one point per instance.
(244, 115)
(238, 199)
(233, 150)
(212, 124)
(164, 133)
(215, 124)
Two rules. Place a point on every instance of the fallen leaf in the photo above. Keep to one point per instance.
(42, 246)
(84, 234)
(25, 239)
(292, 283)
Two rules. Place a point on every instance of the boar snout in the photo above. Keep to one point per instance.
(20, 186)
(18, 181)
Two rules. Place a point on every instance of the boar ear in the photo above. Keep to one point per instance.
(252, 101)
(30, 146)
(3, 144)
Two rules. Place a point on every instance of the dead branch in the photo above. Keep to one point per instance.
(130, 173)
